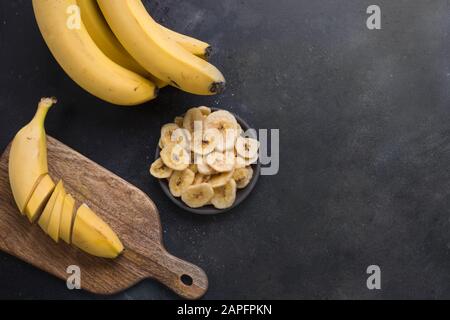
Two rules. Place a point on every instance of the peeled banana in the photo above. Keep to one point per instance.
(149, 45)
(83, 61)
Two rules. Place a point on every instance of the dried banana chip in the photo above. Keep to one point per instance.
(192, 119)
(224, 197)
(179, 181)
(197, 196)
(220, 179)
(166, 134)
(175, 157)
(159, 170)
(247, 147)
(243, 177)
(221, 162)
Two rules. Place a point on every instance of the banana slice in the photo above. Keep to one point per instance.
(226, 124)
(224, 197)
(179, 181)
(175, 157)
(183, 138)
(247, 147)
(227, 140)
(203, 167)
(193, 119)
(159, 170)
(193, 168)
(205, 110)
(220, 179)
(243, 177)
(179, 121)
(205, 143)
(221, 120)
(239, 163)
(198, 195)
(240, 131)
(199, 178)
(166, 133)
(221, 162)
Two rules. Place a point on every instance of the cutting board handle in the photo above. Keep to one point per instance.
(184, 278)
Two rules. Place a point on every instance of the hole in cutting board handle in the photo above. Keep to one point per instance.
(187, 280)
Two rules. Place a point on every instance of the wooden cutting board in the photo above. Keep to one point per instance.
(129, 211)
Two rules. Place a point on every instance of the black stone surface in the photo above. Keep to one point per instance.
(365, 146)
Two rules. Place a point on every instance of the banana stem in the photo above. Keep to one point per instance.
(44, 105)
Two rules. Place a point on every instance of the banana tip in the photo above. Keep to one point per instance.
(208, 52)
(49, 101)
(218, 87)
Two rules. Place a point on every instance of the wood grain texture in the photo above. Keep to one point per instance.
(130, 213)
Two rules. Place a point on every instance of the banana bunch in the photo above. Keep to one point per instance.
(117, 52)
(40, 200)
(206, 158)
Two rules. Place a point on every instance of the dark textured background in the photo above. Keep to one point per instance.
(365, 146)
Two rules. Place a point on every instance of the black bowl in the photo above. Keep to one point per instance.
(241, 194)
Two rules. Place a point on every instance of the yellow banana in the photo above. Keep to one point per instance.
(150, 46)
(35, 193)
(28, 156)
(92, 235)
(102, 35)
(105, 39)
(196, 47)
(79, 56)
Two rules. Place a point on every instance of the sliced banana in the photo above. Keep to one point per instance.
(197, 196)
(175, 157)
(206, 111)
(183, 138)
(193, 168)
(239, 130)
(179, 181)
(179, 121)
(221, 162)
(243, 177)
(199, 178)
(224, 197)
(227, 140)
(203, 167)
(166, 134)
(206, 158)
(205, 143)
(220, 179)
(221, 120)
(239, 163)
(159, 170)
(193, 119)
(247, 147)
